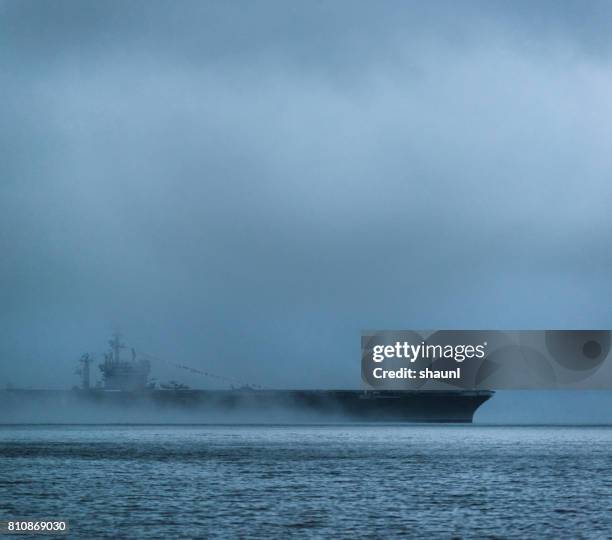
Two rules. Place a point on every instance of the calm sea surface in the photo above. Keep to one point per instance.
(310, 481)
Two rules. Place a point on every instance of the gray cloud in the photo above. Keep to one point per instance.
(247, 186)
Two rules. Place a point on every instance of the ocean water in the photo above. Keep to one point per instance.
(341, 481)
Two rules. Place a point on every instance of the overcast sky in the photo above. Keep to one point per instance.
(245, 186)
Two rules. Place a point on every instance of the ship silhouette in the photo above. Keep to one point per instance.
(126, 384)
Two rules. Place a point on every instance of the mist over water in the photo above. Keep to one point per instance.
(33, 411)
(504, 408)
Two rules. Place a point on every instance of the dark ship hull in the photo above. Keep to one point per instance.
(220, 406)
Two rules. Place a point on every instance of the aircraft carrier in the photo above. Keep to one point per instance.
(126, 393)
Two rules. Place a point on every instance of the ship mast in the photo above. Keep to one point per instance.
(116, 346)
